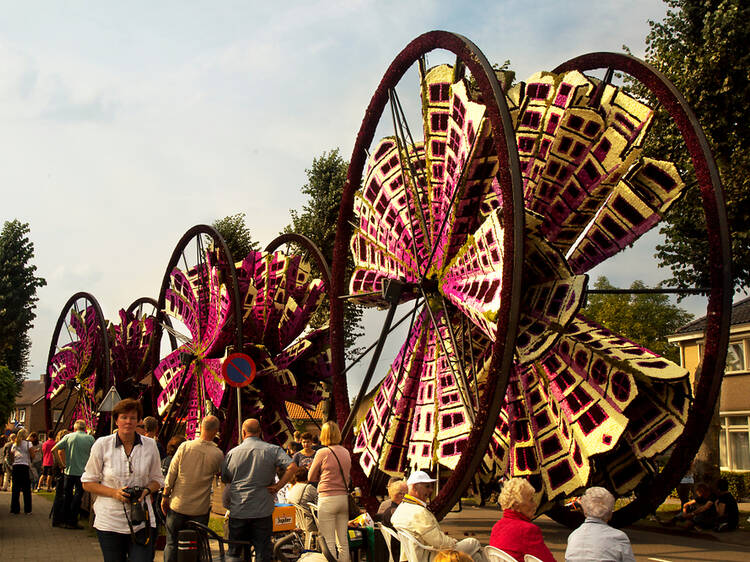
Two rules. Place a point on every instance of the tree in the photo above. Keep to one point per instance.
(18, 286)
(8, 393)
(702, 47)
(317, 221)
(237, 236)
(647, 319)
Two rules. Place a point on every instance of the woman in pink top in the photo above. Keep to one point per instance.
(330, 468)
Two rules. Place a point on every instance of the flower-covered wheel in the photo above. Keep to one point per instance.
(282, 289)
(200, 295)
(78, 366)
(134, 351)
(582, 405)
(436, 229)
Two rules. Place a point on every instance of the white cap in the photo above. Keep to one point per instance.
(419, 477)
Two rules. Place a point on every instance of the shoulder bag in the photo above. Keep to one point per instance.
(354, 510)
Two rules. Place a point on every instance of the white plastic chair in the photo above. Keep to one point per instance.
(388, 535)
(496, 555)
(411, 545)
(530, 558)
(313, 507)
(307, 523)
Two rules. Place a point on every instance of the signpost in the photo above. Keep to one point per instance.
(238, 370)
(108, 404)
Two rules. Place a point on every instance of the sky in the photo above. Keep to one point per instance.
(124, 124)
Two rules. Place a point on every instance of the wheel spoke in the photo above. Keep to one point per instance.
(398, 126)
(461, 388)
(461, 368)
(474, 371)
(401, 320)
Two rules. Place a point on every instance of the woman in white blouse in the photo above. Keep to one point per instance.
(118, 462)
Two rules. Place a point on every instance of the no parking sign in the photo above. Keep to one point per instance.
(238, 370)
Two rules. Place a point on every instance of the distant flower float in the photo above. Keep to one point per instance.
(274, 295)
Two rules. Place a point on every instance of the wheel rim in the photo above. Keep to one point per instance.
(508, 176)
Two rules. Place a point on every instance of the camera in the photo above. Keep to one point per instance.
(133, 493)
(137, 512)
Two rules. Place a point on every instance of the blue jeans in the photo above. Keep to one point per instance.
(174, 524)
(257, 531)
(119, 547)
(73, 496)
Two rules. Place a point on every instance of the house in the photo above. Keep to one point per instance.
(305, 419)
(734, 405)
(29, 410)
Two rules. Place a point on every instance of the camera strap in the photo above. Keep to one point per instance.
(146, 528)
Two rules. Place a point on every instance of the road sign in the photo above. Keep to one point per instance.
(110, 400)
(238, 370)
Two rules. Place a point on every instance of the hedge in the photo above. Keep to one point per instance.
(739, 483)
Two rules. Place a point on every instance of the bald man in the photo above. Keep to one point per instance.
(250, 469)
(187, 491)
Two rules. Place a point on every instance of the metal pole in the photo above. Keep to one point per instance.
(239, 417)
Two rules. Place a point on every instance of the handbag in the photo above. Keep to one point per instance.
(354, 510)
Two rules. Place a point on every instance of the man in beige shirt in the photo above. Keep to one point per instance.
(413, 518)
(187, 492)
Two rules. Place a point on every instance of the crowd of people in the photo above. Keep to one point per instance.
(136, 484)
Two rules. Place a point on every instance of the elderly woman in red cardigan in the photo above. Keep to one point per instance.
(514, 532)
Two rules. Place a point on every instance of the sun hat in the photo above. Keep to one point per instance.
(420, 477)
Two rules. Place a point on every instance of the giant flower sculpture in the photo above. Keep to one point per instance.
(130, 348)
(190, 376)
(429, 215)
(280, 295)
(76, 364)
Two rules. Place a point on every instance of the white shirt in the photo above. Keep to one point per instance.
(109, 466)
(22, 453)
(595, 541)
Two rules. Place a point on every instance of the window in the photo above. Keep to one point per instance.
(56, 413)
(735, 357)
(734, 442)
(21, 415)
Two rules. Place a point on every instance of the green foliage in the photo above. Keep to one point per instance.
(8, 392)
(739, 483)
(317, 220)
(18, 286)
(647, 319)
(702, 47)
(237, 235)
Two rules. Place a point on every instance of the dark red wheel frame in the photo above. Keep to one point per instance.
(102, 367)
(509, 177)
(651, 493)
(292, 239)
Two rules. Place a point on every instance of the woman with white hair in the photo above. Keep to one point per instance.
(514, 532)
(595, 540)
